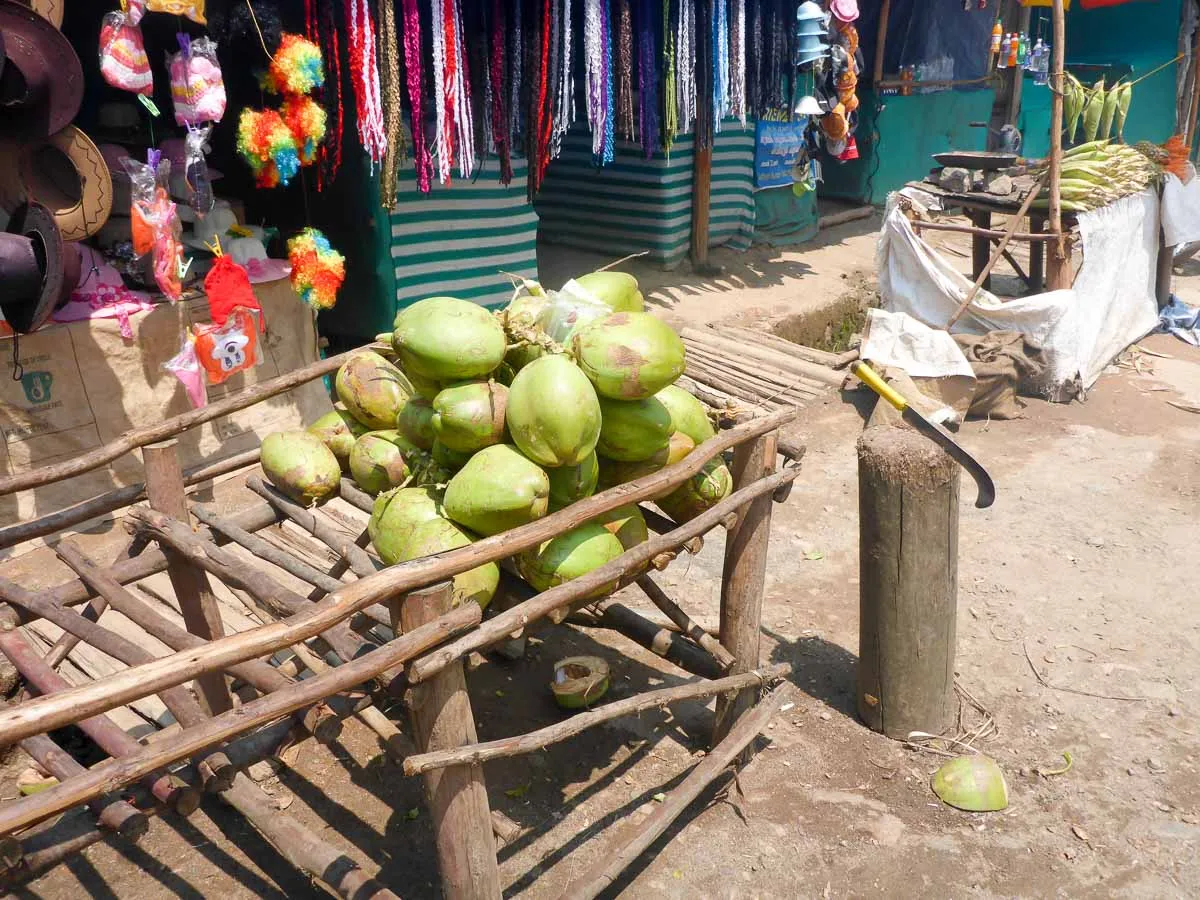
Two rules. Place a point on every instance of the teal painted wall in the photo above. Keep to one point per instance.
(1141, 36)
(909, 131)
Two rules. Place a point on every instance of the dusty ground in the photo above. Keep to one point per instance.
(1082, 571)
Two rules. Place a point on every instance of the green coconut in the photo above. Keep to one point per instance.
(524, 309)
(522, 355)
(633, 430)
(688, 415)
(571, 483)
(627, 524)
(396, 514)
(373, 390)
(613, 473)
(338, 430)
(618, 290)
(553, 412)
(439, 535)
(496, 490)
(469, 415)
(448, 339)
(579, 681)
(425, 388)
(378, 463)
(301, 466)
(450, 460)
(701, 492)
(415, 422)
(629, 355)
(568, 556)
(973, 783)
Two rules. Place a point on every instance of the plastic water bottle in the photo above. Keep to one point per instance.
(1043, 74)
(1035, 58)
(1002, 62)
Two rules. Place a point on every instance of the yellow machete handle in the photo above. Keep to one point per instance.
(872, 379)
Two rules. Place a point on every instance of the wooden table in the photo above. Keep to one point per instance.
(979, 207)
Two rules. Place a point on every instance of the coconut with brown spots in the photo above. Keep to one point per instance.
(629, 355)
(301, 466)
(496, 490)
(373, 390)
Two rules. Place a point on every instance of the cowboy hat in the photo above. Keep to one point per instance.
(41, 82)
(38, 270)
(65, 172)
(844, 10)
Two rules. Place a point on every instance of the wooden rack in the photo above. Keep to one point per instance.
(391, 630)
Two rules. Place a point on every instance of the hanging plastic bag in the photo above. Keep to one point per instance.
(154, 221)
(226, 350)
(197, 86)
(185, 366)
(123, 60)
(134, 10)
(200, 193)
(569, 310)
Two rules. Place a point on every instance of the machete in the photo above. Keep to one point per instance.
(934, 430)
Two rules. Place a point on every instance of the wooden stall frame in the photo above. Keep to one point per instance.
(424, 656)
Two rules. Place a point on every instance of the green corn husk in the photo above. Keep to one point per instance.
(1123, 102)
(1110, 110)
(1073, 103)
(1093, 110)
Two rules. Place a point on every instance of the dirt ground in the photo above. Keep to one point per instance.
(1078, 631)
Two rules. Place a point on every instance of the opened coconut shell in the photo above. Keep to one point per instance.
(497, 489)
(553, 412)
(629, 355)
(579, 681)
(301, 466)
(373, 390)
(973, 783)
(448, 339)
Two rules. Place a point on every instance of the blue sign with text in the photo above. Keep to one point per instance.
(776, 147)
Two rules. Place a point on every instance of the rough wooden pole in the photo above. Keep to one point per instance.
(885, 11)
(684, 622)
(908, 562)
(442, 718)
(1058, 266)
(744, 578)
(197, 602)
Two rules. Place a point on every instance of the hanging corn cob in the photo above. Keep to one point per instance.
(1073, 102)
(1093, 111)
(1123, 101)
(1108, 114)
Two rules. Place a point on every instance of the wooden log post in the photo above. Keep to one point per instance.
(197, 602)
(908, 560)
(744, 578)
(442, 718)
(1058, 265)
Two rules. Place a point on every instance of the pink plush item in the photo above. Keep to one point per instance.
(102, 294)
(197, 86)
(123, 60)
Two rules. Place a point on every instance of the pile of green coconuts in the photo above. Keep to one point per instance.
(478, 422)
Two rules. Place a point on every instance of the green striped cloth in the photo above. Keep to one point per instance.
(639, 204)
(460, 239)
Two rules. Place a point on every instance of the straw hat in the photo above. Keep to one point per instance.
(41, 80)
(38, 270)
(65, 172)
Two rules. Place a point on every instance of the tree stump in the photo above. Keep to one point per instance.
(908, 559)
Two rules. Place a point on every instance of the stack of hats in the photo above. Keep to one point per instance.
(55, 187)
(812, 25)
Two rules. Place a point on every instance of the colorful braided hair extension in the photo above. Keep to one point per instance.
(415, 76)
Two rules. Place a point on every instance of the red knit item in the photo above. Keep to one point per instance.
(228, 287)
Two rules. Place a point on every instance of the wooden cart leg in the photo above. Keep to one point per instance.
(197, 602)
(981, 246)
(1037, 256)
(744, 577)
(442, 718)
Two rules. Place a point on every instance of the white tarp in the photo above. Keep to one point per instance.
(1180, 211)
(1081, 330)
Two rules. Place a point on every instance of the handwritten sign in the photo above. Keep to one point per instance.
(776, 146)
